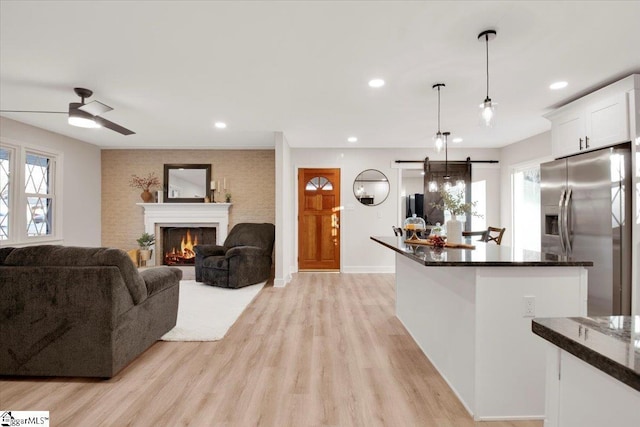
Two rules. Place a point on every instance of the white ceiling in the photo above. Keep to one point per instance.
(171, 69)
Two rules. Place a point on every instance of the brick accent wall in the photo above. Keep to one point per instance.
(250, 176)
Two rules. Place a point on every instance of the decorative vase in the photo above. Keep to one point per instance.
(146, 196)
(454, 230)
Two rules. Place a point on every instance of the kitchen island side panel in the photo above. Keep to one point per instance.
(441, 319)
(470, 323)
(510, 360)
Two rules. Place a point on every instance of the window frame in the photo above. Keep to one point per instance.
(18, 197)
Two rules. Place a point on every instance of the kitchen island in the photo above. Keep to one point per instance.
(593, 370)
(470, 312)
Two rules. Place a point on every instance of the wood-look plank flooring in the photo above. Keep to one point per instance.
(326, 350)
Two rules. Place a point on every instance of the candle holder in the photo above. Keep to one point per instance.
(213, 196)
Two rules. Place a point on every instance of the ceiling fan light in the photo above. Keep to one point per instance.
(81, 118)
(83, 122)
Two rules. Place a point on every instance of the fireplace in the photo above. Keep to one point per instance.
(178, 243)
(188, 215)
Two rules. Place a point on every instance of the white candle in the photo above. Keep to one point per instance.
(213, 185)
(224, 183)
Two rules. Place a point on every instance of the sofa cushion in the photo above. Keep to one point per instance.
(4, 253)
(55, 255)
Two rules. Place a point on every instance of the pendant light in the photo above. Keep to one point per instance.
(437, 139)
(446, 178)
(487, 108)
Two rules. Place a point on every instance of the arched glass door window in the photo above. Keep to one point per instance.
(318, 183)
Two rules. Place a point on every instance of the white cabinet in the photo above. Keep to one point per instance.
(585, 125)
(579, 395)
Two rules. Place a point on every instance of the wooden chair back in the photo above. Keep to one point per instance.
(481, 234)
(494, 234)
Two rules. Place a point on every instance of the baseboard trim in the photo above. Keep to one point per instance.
(369, 269)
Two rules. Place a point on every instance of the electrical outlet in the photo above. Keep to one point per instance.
(529, 306)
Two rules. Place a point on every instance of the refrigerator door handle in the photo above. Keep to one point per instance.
(567, 222)
(561, 222)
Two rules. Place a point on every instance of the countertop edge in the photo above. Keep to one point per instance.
(427, 263)
(597, 360)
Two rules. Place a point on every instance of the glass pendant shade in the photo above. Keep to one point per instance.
(433, 187)
(487, 113)
(438, 141)
(446, 186)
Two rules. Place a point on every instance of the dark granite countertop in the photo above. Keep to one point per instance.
(484, 255)
(609, 343)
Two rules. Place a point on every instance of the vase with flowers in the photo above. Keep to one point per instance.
(453, 201)
(145, 184)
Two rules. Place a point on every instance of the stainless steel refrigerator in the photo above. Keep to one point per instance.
(586, 215)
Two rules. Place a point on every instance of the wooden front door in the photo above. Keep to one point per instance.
(319, 219)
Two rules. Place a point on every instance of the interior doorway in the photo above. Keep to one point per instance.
(319, 219)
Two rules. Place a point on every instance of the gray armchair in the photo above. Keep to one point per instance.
(244, 259)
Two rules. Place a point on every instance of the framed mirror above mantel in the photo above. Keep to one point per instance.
(186, 183)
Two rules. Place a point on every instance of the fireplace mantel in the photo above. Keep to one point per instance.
(195, 214)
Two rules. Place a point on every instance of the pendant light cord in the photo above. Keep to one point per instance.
(438, 109)
(487, 44)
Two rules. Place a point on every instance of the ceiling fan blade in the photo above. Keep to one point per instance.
(95, 108)
(31, 111)
(113, 126)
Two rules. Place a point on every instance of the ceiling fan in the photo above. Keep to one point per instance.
(85, 115)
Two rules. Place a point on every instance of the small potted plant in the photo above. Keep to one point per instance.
(145, 241)
(227, 197)
(145, 184)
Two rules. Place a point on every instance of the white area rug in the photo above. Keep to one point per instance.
(205, 313)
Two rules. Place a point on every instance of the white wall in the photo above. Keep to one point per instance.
(81, 182)
(285, 213)
(534, 150)
(358, 222)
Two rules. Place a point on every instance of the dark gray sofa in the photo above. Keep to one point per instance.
(87, 312)
(244, 259)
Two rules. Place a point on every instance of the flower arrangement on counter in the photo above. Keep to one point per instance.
(144, 183)
(454, 203)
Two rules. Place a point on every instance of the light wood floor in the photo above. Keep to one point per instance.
(324, 351)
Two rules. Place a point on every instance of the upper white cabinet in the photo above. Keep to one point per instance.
(587, 124)
(599, 119)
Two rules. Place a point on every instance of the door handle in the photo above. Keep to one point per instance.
(580, 143)
(567, 212)
(561, 221)
(586, 142)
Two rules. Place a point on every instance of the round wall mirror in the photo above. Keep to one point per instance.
(371, 187)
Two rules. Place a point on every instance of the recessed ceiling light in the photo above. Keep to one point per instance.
(376, 83)
(352, 139)
(456, 140)
(558, 85)
(220, 125)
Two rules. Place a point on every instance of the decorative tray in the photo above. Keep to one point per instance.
(428, 242)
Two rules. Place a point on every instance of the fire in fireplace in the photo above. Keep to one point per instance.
(178, 243)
